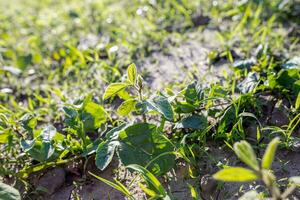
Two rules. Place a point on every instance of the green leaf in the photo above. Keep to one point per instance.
(249, 83)
(193, 92)
(27, 144)
(194, 122)
(4, 136)
(194, 192)
(184, 107)
(297, 104)
(245, 152)
(227, 119)
(48, 133)
(244, 64)
(113, 134)
(269, 154)
(131, 73)
(150, 179)
(105, 153)
(8, 193)
(293, 63)
(141, 143)
(286, 78)
(235, 174)
(42, 151)
(162, 105)
(113, 89)
(93, 115)
(126, 107)
(29, 122)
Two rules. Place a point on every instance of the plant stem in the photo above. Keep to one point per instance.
(288, 191)
(140, 93)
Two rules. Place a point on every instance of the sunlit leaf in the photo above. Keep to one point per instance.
(105, 153)
(245, 152)
(48, 133)
(162, 105)
(131, 73)
(270, 153)
(113, 89)
(235, 174)
(126, 107)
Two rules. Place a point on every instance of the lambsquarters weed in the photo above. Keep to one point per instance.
(258, 171)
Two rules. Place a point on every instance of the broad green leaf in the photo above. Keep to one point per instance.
(141, 143)
(131, 73)
(8, 193)
(249, 83)
(27, 144)
(162, 105)
(92, 115)
(235, 174)
(193, 92)
(126, 107)
(194, 122)
(150, 179)
(114, 133)
(113, 89)
(245, 152)
(39, 150)
(105, 153)
(270, 153)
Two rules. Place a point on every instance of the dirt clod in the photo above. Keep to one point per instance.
(52, 180)
(208, 185)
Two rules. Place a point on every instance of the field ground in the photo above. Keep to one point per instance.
(209, 74)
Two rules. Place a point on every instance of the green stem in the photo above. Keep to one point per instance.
(140, 93)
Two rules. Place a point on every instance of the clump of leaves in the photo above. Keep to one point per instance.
(257, 171)
(136, 100)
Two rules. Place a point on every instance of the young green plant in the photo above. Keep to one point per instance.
(257, 171)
